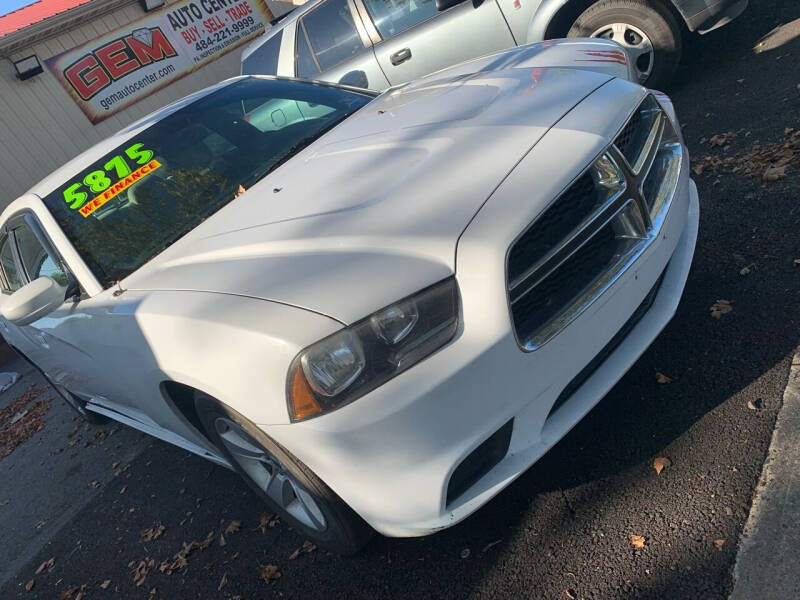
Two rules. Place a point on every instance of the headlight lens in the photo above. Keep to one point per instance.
(357, 359)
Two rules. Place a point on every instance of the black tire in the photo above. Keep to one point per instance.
(652, 18)
(345, 533)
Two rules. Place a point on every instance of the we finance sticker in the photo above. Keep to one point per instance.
(118, 174)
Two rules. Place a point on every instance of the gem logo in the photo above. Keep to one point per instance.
(98, 69)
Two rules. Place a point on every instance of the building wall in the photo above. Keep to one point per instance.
(41, 128)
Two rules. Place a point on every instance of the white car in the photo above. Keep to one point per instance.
(380, 310)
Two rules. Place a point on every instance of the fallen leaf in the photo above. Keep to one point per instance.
(48, 564)
(233, 527)
(721, 307)
(637, 541)
(141, 570)
(661, 463)
(465, 553)
(719, 543)
(662, 379)
(69, 592)
(94, 484)
(267, 520)
(222, 541)
(239, 191)
(774, 173)
(306, 548)
(153, 533)
(748, 269)
(740, 81)
(29, 585)
(223, 582)
(796, 262)
(105, 584)
(570, 593)
(756, 404)
(115, 464)
(698, 169)
(269, 573)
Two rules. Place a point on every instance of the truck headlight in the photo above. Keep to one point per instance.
(355, 360)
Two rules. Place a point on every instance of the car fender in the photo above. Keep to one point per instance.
(541, 19)
(235, 348)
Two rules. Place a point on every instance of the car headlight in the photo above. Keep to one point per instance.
(355, 360)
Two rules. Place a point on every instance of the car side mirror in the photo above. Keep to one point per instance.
(445, 4)
(32, 301)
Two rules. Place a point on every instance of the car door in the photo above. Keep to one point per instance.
(50, 342)
(332, 44)
(415, 39)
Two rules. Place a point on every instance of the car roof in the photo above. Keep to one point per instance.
(280, 23)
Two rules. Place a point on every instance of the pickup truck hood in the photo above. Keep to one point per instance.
(372, 211)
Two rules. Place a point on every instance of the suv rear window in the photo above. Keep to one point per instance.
(264, 60)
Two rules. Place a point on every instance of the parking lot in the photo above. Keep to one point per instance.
(704, 396)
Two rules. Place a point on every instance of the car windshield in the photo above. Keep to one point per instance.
(125, 208)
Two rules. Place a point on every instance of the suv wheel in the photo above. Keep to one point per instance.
(647, 30)
(284, 483)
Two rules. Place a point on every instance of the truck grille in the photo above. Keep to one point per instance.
(595, 229)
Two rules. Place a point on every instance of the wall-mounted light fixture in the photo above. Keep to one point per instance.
(28, 67)
(149, 5)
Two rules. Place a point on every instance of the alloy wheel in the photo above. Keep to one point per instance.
(270, 475)
(635, 41)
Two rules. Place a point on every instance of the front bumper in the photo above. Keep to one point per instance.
(391, 454)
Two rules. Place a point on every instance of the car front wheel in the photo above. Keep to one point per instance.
(647, 30)
(284, 483)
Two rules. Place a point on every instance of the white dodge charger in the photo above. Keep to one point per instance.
(379, 309)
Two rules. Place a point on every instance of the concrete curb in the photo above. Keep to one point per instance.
(767, 563)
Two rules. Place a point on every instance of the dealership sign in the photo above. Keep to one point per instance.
(110, 73)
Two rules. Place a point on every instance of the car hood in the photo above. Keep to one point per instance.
(372, 211)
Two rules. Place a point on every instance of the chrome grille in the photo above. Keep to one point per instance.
(595, 229)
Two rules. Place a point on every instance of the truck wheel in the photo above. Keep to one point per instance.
(285, 484)
(647, 30)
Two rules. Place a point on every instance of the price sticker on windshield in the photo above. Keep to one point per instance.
(118, 173)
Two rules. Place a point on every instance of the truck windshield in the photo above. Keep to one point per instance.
(122, 210)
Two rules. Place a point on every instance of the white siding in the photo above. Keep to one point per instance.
(41, 128)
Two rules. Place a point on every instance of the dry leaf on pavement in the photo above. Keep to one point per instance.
(756, 404)
(721, 307)
(223, 582)
(29, 585)
(796, 262)
(661, 463)
(153, 533)
(46, 565)
(774, 173)
(105, 584)
(662, 379)
(267, 520)
(637, 541)
(306, 548)
(141, 570)
(269, 573)
(719, 543)
(233, 527)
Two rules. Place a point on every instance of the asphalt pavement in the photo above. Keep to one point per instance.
(564, 529)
